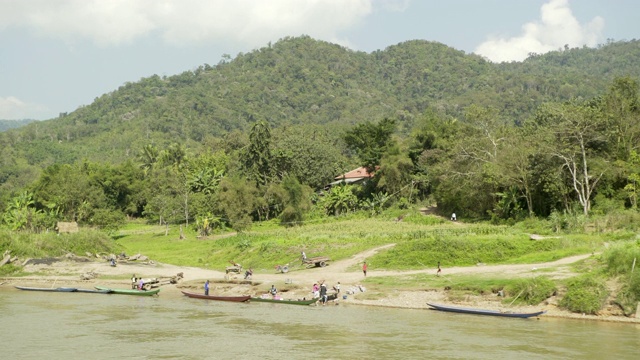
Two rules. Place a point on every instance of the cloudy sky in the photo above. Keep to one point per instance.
(57, 55)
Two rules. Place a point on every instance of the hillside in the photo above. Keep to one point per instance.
(12, 124)
(305, 81)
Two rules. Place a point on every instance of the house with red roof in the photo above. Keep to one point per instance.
(354, 176)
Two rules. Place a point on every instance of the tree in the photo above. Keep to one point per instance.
(621, 106)
(257, 159)
(148, 157)
(296, 202)
(371, 141)
(576, 136)
(237, 199)
(71, 189)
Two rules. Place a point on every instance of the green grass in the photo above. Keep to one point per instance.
(419, 244)
(25, 245)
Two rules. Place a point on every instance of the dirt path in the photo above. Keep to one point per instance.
(345, 271)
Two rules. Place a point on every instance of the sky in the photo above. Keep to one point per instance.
(58, 55)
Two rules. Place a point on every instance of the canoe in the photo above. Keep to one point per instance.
(95, 291)
(484, 312)
(218, 298)
(283, 301)
(130, 291)
(59, 289)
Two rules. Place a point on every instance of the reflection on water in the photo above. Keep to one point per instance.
(70, 326)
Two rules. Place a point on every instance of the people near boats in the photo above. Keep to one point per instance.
(364, 268)
(141, 284)
(336, 287)
(323, 293)
(206, 287)
(273, 291)
(316, 290)
(134, 281)
(248, 273)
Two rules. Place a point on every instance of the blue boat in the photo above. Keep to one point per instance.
(59, 289)
(463, 310)
(66, 289)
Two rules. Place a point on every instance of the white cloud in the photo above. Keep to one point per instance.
(114, 22)
(12, 108)
(557, 27)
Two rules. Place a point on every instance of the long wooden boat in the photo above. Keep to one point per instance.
(218, 298)
(58, 289)
(285, 301)
(463, 310)
(130, 291)
(95, 291)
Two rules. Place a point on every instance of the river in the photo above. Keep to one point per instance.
(41, 325)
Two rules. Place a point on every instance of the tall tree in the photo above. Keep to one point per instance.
(237, 200)
(371, 141)
(257, 158)
(576, 136)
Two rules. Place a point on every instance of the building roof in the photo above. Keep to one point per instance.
(359, 173)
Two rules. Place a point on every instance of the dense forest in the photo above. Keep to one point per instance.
(259, 137)
(12, 124)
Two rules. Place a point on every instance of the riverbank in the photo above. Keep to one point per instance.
(293, 285)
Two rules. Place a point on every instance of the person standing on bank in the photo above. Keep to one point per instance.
(439, 269)
(323, 293)
(206, 287)
(364, 269)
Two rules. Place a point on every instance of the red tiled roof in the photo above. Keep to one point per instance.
(358, 173)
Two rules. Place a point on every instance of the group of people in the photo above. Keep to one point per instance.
(137, 283)
(320, 291)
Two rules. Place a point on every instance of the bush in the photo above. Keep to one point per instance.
(619, 258)
(629, 295)
(585, 294)
(532, 291)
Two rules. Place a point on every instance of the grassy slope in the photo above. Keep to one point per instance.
(421, 241)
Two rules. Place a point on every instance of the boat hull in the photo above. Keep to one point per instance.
(129, 291)
(472, 311)
(217, 298)
(95, 291)
(59, 289)
(287, 302)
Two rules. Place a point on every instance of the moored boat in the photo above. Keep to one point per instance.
(285, 301)
(218, 298)
(95, 291)
(463, 310)
(129, 291)
(58, 289)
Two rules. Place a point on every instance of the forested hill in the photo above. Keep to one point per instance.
(12, 124)
(304, 81)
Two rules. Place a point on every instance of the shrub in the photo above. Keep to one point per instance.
(629, 295)
(532, 291)
(585, 294)
(620, 257)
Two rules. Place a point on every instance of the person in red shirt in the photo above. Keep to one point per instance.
(364, 268)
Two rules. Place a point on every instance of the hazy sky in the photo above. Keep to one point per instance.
(57, 55)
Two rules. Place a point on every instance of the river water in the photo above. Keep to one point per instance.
(41, 325)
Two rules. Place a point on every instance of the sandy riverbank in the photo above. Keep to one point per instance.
(292, 285)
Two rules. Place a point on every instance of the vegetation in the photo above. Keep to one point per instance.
(585, 294)
(531, 291)
(11, 124)
(248, 147)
